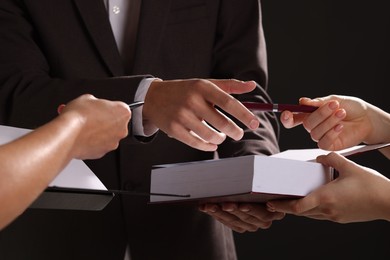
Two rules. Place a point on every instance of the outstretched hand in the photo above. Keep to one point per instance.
(338, 123)
(358, 194)
(187, 110)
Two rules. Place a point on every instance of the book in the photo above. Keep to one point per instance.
(310, 155)
(75, 188)
(251, 178)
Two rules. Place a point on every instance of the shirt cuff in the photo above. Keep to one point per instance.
(138, 126)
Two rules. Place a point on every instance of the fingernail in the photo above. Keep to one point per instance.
(240, 136)
(340, 113)
(333, 105)
(228, 209)
(302, 99)
(244, 209)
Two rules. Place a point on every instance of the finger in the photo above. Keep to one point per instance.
(250, 221)
(221, 122)
(214, 211)
(330, 141)
(320, 115)
(194, 141)
(214, 137)
(229, 104)
(235, 108)
(331, 127)
(260, 212)
(189, 138)
(285, 206)
(290, 120)
(229, 219)
(331, 124)
(199, 128)
(317, 102)
(296, 207)
(231, 225)
(336, 161)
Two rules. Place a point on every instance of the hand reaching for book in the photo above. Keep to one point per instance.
(359, 194)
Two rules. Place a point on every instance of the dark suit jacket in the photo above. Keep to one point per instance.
(51, 51)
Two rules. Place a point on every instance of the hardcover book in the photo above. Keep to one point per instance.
(251, 178)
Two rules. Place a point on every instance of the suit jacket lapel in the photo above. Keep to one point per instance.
(153, 18)
(96, 20)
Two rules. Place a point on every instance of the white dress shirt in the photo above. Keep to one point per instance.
(118, 13)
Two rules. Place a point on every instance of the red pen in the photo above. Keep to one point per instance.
(278, 107)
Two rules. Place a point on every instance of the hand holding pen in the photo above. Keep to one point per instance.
(325, 124)
(339, 122)
(291, 114)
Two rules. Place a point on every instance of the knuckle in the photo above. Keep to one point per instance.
(114, 146)
(228, 101)
(123, 133)
(190, 101)
(172, 128)
(199, 84)
(306, 124)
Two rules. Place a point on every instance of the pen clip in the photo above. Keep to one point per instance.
(136, 104)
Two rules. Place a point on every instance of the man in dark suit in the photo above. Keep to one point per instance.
(52, 51)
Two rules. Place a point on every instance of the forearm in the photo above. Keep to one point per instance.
(380, 120)
(29, 164)
(380, 125)
(381, 200)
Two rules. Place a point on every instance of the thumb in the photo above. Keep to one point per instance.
(336, 161)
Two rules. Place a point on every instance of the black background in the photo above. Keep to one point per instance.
(316, 48)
